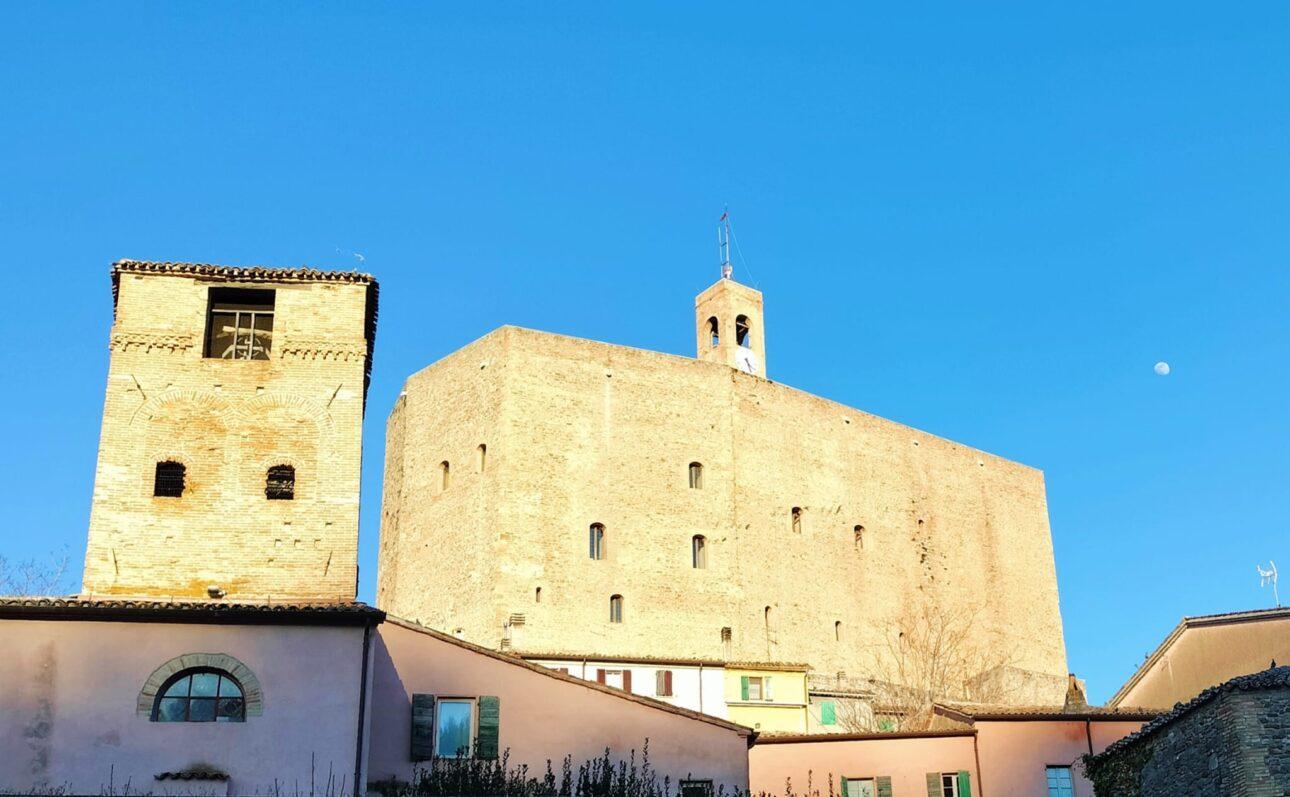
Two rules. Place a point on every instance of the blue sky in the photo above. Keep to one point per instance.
(985, 222)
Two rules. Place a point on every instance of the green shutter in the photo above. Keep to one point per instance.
(884, 786)
(933, 784)
(743, 687)
(422, 727)
(846, 787)
(828, 713)
(490, 720)
(965, 783)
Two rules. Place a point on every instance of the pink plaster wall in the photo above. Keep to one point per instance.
(544, 716)
(68, 694)
(1014, 754)
(905, 760)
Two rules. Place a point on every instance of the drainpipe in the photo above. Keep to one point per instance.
(362, 710)
(700, 687)
(976, 753)
(1088, 734)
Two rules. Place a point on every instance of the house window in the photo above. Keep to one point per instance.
(699, 551)
(663, 683)
(454, 728)
(696, 476)
(445, 471)
(796, 516)
(1060, 783)
(200, 695)
(618, 679)
(596, 541)
(859, 787)
(743, 336)
(280, 484)
(169, 480)
(239, 324)
(696, 788)
(949, 784)
(615, 608)
(714, 337)
(755, 688)
(482, 455)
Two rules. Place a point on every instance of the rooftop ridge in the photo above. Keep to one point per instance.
(252, 273)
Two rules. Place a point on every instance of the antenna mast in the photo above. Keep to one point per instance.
(723, 244)
(1267, 577)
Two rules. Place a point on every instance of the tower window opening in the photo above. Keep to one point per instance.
(596, 541)
(168, 482)
(239, 324)
(726, 642)
(796, 516)
(743, 330)
(615, 608)
(537, 595)
(766, 618)
(699, 551)
(696, 476)
(837, 631)
(859, 532)
(482, 454)
(714, 334)
(445, 472)
(280, 483)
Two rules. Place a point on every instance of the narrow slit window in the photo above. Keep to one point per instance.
(726, 642)
(696, 475)
(859, 532)
(837, 631)
(699, 551)
(596, 541)
(615, 608)
(537, 595)
(743, 332)
(714, 333)
(445, 474)
(168, 482)
(482, 454)
(766, 618)
(239, 324)
(280, 483)
(796, 516)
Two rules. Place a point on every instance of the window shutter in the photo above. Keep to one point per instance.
(934, 784)
(627, 680)
(884, 786)
(743, 687)
(828, 713)
(667, 682)
(846, 787)
(600, 676)
(490, 720)
(422, 727)
(766, 692)
(965, 783)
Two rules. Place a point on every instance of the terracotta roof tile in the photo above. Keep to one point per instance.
(242, 273)
(145, 610)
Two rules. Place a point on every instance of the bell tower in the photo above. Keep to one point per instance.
(729, 326)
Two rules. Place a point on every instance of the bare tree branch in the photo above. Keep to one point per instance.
(32, 577)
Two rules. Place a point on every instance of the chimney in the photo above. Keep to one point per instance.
(1075, 699)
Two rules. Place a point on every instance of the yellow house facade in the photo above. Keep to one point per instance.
(767, 697)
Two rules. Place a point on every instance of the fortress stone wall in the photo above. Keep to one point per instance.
(227, 422)
(579, 432)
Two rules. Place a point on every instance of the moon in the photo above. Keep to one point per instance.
(1162, 368)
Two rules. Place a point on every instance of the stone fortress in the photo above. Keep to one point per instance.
(549, 494)
(232, 432)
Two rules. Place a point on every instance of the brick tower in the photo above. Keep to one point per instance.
(229, 458)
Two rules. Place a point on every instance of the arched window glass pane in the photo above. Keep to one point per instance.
(201, 695)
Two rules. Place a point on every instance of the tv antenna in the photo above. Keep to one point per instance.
(723, 244)
(1267, 577)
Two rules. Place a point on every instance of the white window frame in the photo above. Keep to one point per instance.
(474, 724)
(873, 784)
(760, 682)
(950, 780)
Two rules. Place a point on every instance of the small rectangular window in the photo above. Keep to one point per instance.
(455, 728)
(696, 788)
(239, 324)
(1060, 783)
(859, 787)
(663, 683)
(949, 784)
(755, 688)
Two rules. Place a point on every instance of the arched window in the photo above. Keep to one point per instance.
(482, 453)
(699, 551)
(537, 595)
(596, 541)
(714, 334)
(743, 332)
(169, 479)
(796, 515)
(696, 476)
(280, 483)
(837, 630)
(766, 617)
(200, 695)
(859, 532)
(444, 470)
(615, 608)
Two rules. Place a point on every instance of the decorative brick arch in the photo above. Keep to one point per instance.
(306, 407)
(252, 693)
(157, 404)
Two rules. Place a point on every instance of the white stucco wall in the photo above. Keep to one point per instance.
(695, 688)
(68, 694)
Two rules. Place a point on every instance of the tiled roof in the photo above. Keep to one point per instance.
(974, 712)
(241, 273)
(789, 738)
(776, 666)
(1271, 678)
(1195, 621)
(144, 610)
(264, 274)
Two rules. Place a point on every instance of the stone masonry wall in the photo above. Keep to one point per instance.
(580, 432)
(228, 421)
